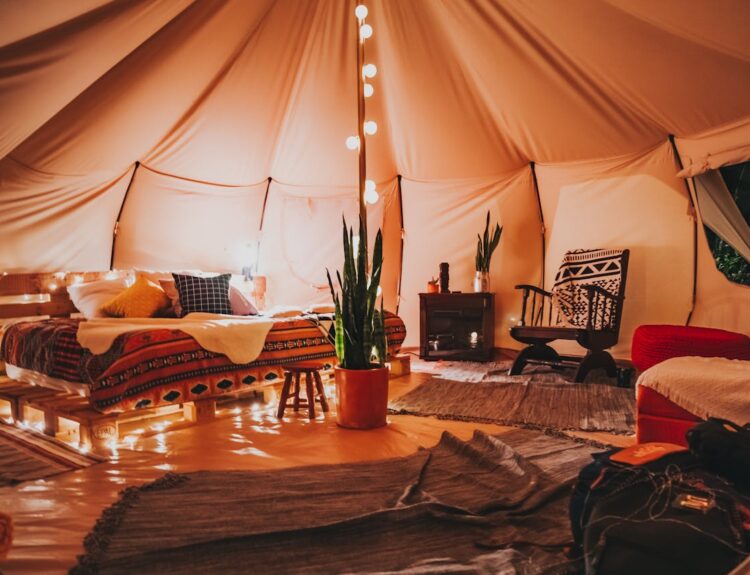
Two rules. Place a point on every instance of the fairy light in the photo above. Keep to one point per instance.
(371, 127)
(352, 142)
(369, 70)
(369, 90)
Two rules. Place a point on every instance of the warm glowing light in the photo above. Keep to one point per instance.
(51, 286)
(371, 194)
(369, 90)
(361, 11)
(371, 127)
(369, 70)
(365, 31)
(75, 280)
(352, 142)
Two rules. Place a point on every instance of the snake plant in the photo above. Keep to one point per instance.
(359, 328)
(486, 246)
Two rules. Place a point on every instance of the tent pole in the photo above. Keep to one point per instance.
(541, 219)
(401, 257)
(361, 131)
(119, 215)
(694, 210)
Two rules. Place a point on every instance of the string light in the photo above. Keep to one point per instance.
(371, 127)
(369, 70)
(361, 12)
(368, 89)
(352, 142)
(371, 196)
(365, 31)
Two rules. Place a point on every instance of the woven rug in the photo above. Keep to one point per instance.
(26, 455)
(494, 504)
(540, 398)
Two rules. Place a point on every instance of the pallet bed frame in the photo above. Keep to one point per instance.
(69, 416)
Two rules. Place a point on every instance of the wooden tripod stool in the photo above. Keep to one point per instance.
(313, 384)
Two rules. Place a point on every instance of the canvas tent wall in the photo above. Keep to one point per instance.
(212, 98)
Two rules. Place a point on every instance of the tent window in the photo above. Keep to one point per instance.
(728, 258)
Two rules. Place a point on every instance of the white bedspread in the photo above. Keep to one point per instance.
(240, 338)
(705, 386)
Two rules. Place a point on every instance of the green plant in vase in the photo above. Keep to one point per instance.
(486, 246)
(361, 375)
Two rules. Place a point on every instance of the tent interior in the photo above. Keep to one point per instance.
(144, 137)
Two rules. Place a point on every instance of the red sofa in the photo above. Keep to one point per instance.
(658, 418)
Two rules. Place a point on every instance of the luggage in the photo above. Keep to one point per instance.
(655, 509)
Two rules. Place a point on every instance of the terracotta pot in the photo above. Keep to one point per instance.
(361, 397)
(432, 288)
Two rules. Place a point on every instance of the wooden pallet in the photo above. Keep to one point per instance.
(70, 417)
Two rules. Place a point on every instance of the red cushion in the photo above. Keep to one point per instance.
(653, 344)
(662, 429)
(652, 402)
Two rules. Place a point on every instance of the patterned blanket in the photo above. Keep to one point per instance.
(585, 267)
(151, 368)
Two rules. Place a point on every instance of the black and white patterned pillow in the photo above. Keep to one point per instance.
(208, 295)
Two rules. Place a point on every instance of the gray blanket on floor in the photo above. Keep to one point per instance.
(494, 504)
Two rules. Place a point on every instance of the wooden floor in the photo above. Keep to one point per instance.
(52, 516)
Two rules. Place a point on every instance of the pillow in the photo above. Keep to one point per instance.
(90, 297)
(143, 299)
(208, 295)
(170, 289)
(240, 304)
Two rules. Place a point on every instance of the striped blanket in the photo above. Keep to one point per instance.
(156, 367)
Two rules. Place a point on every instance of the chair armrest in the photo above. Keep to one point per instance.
(534, 289)
(600, 290)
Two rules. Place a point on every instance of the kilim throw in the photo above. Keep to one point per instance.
(580, 268)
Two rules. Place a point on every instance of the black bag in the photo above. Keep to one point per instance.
(724, 447)
(667, 516)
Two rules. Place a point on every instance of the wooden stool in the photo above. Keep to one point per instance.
(312, 373)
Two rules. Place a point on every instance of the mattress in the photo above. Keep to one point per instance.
(156, 367)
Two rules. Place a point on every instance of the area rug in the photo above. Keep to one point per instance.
(493, 504)
(26, 455)
(541, 398)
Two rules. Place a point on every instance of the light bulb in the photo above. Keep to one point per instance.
(370, 127)
(368, 90)
(365, 31)
(352, 142)
(369, 70)
(371, 196)
(369, 184)
(361, 11)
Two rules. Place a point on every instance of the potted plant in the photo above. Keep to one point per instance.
(485, 248)
(361, 348)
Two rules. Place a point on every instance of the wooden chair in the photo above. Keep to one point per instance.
(595, 326)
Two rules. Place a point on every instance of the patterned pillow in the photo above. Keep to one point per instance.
(143, 299)
(208, 295)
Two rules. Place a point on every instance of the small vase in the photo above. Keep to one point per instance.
(482, 282)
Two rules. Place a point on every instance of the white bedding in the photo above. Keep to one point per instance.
(240, 338)
(704, 386)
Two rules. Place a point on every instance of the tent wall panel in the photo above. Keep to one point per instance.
(633, 202)
(727, 144)
(442, 220)
(57, 223)
(302, 236)
(169, 223)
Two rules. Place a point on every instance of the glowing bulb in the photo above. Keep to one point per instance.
(361, 11)
(368, 90)
(75, 280)
(369, 185)
(369, 70)
(52, 286)
(365, 31)
(352, 142)
(370, 127)
(371, 196)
